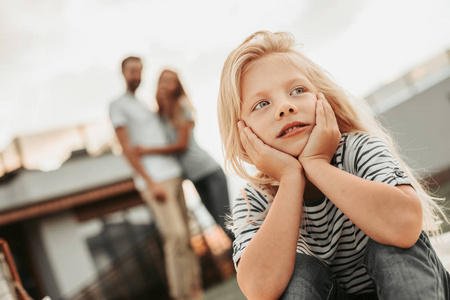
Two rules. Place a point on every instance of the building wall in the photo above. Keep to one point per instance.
(421, 126)
(64, 260)
(41, 259)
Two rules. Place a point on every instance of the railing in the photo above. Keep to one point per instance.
(10, 284)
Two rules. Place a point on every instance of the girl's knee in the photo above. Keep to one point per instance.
(375, 249)
(378, 251)
(384, 261)
(404, 273)
(311, 279)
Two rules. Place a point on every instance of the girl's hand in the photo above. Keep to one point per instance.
(325, 136)
(268, 160)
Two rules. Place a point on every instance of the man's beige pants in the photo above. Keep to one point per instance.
(182, 265)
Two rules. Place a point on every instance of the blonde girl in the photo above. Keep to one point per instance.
(334, 212)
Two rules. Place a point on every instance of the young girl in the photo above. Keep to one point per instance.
(198, 166)
(334, 213)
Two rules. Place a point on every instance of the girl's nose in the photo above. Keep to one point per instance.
(284, 109)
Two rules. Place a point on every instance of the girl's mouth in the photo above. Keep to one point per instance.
(292, 129)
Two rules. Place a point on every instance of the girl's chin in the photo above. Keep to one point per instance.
(296, 155)
(294, 149)
(298, 149)
(291, 153)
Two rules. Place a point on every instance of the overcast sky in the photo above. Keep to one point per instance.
(59, 59)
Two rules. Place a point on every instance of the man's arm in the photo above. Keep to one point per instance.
(133, 158)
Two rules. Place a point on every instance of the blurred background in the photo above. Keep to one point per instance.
(69, 211)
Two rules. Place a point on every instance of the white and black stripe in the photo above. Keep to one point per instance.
(326, 232)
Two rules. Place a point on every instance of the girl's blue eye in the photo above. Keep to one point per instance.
(261, 104)
(298, 90)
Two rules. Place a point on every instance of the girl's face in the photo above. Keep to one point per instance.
(279, 104)
(168, 83)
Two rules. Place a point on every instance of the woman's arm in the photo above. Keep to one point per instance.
(183, 133)
(388, 214)
(267, 263)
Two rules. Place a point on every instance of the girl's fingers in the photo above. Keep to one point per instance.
(253, 145)
(328, 110)
(247, 143)
(320, 113)
(254, 139)
(323, 103)
(243, 136)
(329, 115)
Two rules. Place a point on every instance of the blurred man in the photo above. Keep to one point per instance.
(158, 179)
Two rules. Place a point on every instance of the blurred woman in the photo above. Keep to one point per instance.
(198, 166)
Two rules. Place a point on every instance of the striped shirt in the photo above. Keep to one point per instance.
(326, 232)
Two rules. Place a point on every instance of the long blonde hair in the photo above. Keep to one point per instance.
(352, 115)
